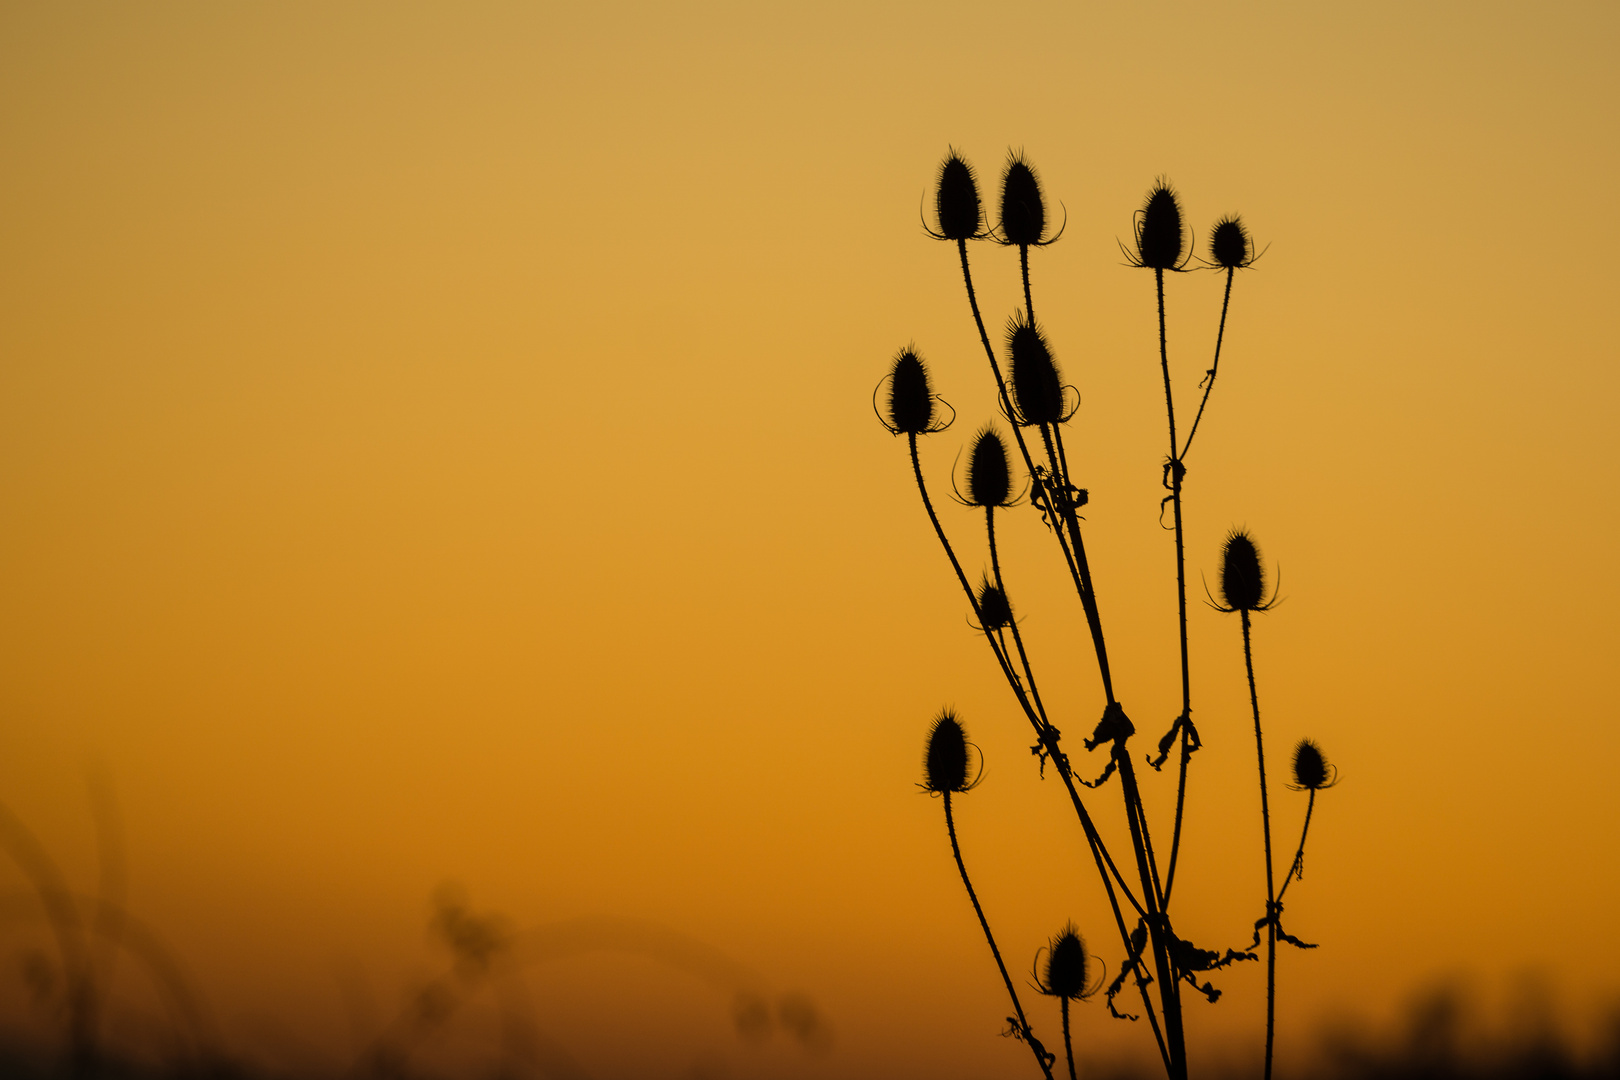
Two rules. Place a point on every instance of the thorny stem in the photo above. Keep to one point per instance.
(1023, 264)
(1164, 360)
(1158, 924)
(1082, 569)
(1265, 820)
(1296, 869)
(1068, 1046)
(1024, 1032)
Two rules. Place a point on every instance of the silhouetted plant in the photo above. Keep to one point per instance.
(945, 772)
(1067, 978)
(1033, 398)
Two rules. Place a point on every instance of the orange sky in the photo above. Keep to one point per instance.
(436, 446)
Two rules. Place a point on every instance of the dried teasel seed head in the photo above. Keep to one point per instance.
(1229, 245)
(1160, 238)
(911, 400)
(1243, 581)
(1037, 388)
(1023, 209)
(1068, 965)
(945, 763)
(1310, 767)
(956, 200)
(995, 611)
(989, 475)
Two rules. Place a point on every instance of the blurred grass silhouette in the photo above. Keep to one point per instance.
(69, 1006)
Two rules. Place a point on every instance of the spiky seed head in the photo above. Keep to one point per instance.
(1037, 388)
(989, 476)
(1023, 209)
(1243, 581)
(911, 399)
(1229, 244)
(945, 764)
(995, 611)
(1160, 238)
(956, 200)
(1068, 965)
(1310, 767)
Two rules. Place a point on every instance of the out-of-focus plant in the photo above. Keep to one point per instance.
(1033, 399)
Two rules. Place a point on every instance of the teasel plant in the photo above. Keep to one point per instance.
(1243, 592)
(1036, 405)
(1162, 244)
(945, 773)
(1067, 977)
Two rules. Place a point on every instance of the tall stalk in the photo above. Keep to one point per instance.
(1265, 823)
(1024, 1032)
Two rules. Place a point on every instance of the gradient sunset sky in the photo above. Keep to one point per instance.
(436, 446)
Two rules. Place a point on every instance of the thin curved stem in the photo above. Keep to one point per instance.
(1018, 638)
(1209, 383)
(1296, 868)
(1024, 1031)
(1164, 360)
(1265, 821)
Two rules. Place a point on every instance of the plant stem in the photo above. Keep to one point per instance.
(1210, 382)
(1081, 568)
(1176, 472)
(1295, 868)
(1171, 1047)
(1023, 1025)
(1018, 639)
(1023, 265)
(1157, 923)
(1068, 1046)
(990, 354)
(1265, 821)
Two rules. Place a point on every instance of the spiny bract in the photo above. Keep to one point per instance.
(1243, 581)
(956, 200)
(1068, 965)
(1037, 388)
(1023, 209)
(945, 763)
(995, 611)
(1160, 238)
(1310, 767)
(1229, 244)
(911, 401)
(989, 476)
